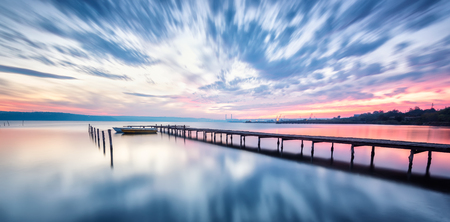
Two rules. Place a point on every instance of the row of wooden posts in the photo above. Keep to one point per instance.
(95, 135)
(182, 131)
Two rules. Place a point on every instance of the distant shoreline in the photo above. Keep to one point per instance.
(55, 116)
(374, 123)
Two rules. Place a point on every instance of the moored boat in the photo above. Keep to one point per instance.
(139, 130)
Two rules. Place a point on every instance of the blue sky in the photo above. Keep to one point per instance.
(211, 58)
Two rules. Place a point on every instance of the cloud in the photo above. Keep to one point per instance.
(99, 46)
(150, 96)
(100, 73)
(71, 52)
(262, 90)
(372, 69)
(361, 48)
(437, 58)
(422, 22)
(29, 72)
(401, 46)
(44, 60)
(397, 91)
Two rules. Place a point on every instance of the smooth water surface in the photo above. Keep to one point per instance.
(54, 171)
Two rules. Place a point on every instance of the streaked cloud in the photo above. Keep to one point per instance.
(250, 58)
(29, 72)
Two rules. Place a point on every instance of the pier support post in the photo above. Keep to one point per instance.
(243, 137)
(301, 151)
(282, 141)
(226, 138)
(332, 151)
(411, 157)
(103, 136)
(353, 155)
(94, 135)
(312, 151)
(278, 144)
(428, 163)
(110, 147)
(240, 146)
(372, 155)
(231, 139)
(184, 131)
(214, 137)
(196, 135)
(221, 138)
(98, 138)
(259, 143)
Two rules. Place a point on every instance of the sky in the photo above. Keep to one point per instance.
(208, 59)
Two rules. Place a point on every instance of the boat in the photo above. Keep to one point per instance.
(143, 130)
(119, 129)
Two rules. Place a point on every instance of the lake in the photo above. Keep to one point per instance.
(54, 171)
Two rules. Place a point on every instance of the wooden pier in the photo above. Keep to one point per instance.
(414, 147)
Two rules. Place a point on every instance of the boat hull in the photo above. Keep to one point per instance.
(139, 130)
(118, 129)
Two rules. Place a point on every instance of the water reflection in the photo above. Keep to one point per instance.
(57, 174)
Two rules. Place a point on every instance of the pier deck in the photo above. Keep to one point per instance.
(414, 147)
(417, 146)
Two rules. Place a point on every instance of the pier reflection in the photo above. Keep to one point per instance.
(423, 180)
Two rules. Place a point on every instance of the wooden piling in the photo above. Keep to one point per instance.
(282, 141)
(231, 139)
(353, 155)
(312, 151)
(243, 138)
(110, 147)
(372, 155)
(301, 151)
(98, 138)
(103, 136)
(278, 144)
(240, 146)
(428, 164)
(411, 157)
(259, 143)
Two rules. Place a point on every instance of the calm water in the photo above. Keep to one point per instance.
(53, 171)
